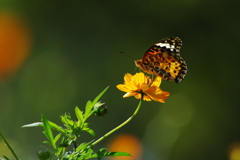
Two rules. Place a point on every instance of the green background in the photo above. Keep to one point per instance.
(76, 54)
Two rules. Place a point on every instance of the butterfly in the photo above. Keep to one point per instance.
(163, 59)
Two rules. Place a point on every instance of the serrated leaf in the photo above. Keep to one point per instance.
(36, 124)
(48, 131)
(79, 115)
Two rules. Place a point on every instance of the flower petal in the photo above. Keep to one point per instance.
(157, 81)
(138, 96)
(126, 88)
(146, 98)
(144, 87)
(159, 95)
(123, 88)
(129, 94)
(140, 78)
(127, 77)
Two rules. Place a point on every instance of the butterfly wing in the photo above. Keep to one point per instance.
(172, 44)
(163, 59)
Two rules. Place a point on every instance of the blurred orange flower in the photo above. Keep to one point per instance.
(126, 143)
(139, 85)
(15, 43)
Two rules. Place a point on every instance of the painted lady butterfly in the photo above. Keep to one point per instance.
(163, 59)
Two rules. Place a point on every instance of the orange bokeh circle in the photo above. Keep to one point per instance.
(15, 42)
(126, 143)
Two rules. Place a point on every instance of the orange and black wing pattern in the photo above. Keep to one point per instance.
(163, 59)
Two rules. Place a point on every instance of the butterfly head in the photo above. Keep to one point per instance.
(140, 64)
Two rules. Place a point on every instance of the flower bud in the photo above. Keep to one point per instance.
(43, 154)
(100, 109)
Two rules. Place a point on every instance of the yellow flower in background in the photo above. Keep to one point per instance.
(139, 85)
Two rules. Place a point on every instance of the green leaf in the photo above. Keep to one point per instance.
(102, 150)
(109, 154)
(53, 126)
(48, 131)
(99, 96)
(83, 145)
(88, 153)
(45, 133)
(90, 104)
(57, 138)
(79, 115)
(90, 131)
(114, 154)
(9, 147)
(36, 124)
(6, 158)
(59, 150)
(56, 127)
(102, 153)
(87, 109)
(66, 120)
(46, 142)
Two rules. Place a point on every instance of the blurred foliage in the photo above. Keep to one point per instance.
(75, 52)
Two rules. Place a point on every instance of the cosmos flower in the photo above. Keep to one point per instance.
(141, 86)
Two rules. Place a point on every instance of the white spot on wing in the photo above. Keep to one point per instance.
(166, 45)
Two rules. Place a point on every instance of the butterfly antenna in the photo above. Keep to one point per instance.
(127, 55)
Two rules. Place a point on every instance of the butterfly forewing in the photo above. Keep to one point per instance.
(172, 44)
(163, 59)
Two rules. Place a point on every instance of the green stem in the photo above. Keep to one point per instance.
(9, 147)
(118, 127)
(63, 152)
(74, 144)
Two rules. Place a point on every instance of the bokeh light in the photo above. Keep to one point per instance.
(15, 43)
(234, 151)
(126, 143)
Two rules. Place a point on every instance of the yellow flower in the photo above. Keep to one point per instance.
(139, 85)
